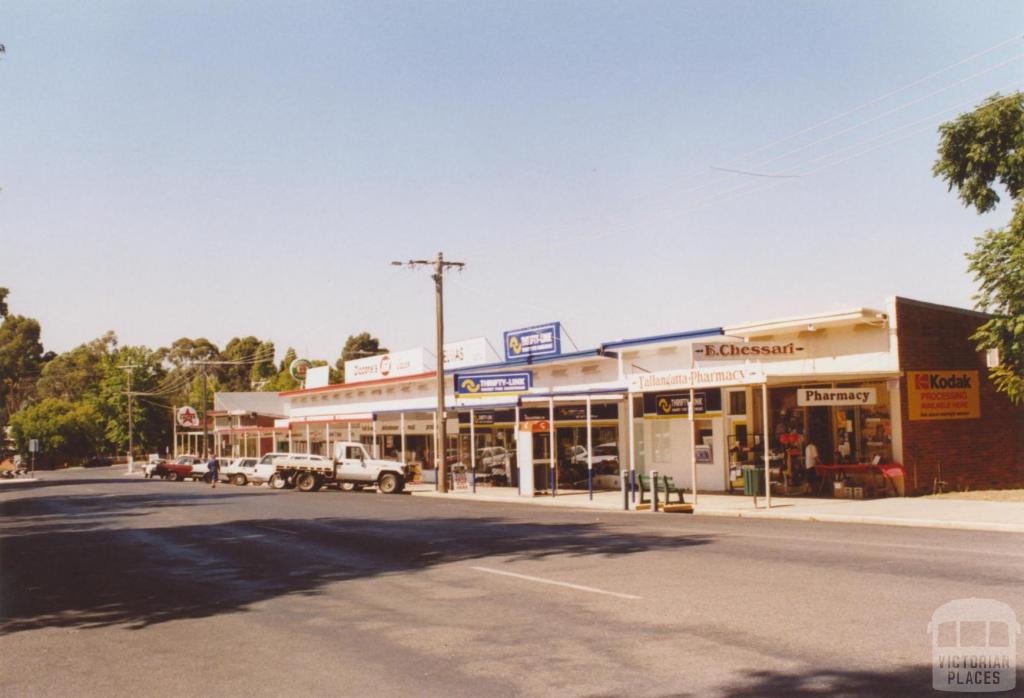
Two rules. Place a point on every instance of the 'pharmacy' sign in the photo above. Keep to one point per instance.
(718, 377)
(838, 397)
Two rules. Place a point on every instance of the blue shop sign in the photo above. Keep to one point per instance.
(539, 340)
(480, 384)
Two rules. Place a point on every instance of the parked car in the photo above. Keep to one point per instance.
(98, 462)
(178, 469)
(234, 471)
(200, 471)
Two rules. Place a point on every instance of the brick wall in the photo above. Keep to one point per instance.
(966, 453)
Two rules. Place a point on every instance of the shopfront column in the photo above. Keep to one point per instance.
(767, 448)
(401, 429)
(551, 438)
(632, 449)
(376, 450)
(693, 445)
(289, 439)
(309, 446)
(472, 445)
(590, 454)
(327, 438)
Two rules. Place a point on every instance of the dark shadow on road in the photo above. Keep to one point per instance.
(62, 569)
(843, 683)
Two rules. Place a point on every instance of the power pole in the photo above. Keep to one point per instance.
(440, 267)
(131, 460)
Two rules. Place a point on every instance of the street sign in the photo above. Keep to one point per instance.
(33, 445)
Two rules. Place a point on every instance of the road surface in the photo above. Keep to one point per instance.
(113, 585)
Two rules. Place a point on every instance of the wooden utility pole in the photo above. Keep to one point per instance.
(131, 463)
(440, 267)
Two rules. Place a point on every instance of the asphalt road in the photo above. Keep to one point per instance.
(111, 585)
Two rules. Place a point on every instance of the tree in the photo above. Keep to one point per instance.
(151, 410)
(283, 380)
(3, 302)
(251, 357)
(68, 432)
(76, 374)
(977, 151)
(21, 357)
(356, 347)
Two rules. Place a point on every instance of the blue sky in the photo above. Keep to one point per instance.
(215, 169)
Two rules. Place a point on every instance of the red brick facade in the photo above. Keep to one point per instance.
(965, 453)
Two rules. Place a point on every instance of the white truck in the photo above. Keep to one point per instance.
(351, 468)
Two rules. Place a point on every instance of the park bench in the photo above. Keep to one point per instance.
(665, 485)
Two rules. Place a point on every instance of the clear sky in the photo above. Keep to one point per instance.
(216, 168)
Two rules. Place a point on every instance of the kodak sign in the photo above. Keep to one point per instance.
(943, 395)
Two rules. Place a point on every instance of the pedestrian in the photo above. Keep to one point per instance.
(212, 469)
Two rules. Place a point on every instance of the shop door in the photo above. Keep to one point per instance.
(819, 432)
(710, 436)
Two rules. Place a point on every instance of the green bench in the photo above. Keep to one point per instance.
(665, 485)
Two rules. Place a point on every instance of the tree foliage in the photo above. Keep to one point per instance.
(21, 358)
(3, 302)
(76, 374)
(67, 431)
(977, 151)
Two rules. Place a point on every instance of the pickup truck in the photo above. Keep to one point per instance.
(351, 468)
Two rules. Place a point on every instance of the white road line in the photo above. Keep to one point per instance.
(578, 587)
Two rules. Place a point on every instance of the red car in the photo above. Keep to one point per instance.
(178, 469)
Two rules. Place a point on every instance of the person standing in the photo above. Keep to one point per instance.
(810, 462)
(213, 470)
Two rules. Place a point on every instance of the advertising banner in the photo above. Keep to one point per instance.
(760, 351)
(487, 384)
(812, 397)
(298, 369)
(718, 377)
(943, 395)
(318, 377)
(539, 340)
(396, 364)
(468, 352)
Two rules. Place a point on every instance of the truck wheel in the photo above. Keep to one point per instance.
(278, 482)
(305, 482)
(390, 484)
(240, 480)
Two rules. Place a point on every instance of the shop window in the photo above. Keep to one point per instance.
(661, 441)
(738, 402)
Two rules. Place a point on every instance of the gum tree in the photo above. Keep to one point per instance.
(979, 151)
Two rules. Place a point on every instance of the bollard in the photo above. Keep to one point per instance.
(473, 475)
(623, 479)
(654, 491)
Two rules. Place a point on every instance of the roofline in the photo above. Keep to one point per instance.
(824, 319)
(351, 386)
(653, 339)
(527, 362)
(939, 306)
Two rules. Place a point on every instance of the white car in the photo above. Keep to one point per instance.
(200, 470)
(265, 467)
(235, 471)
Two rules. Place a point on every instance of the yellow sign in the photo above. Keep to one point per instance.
(943, 395)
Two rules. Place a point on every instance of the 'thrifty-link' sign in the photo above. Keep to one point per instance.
(539, 340)
(487, 384)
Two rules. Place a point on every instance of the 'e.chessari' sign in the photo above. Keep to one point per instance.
(482, 384)
(539, 340)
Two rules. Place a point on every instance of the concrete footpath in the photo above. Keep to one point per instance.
(892, 511)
